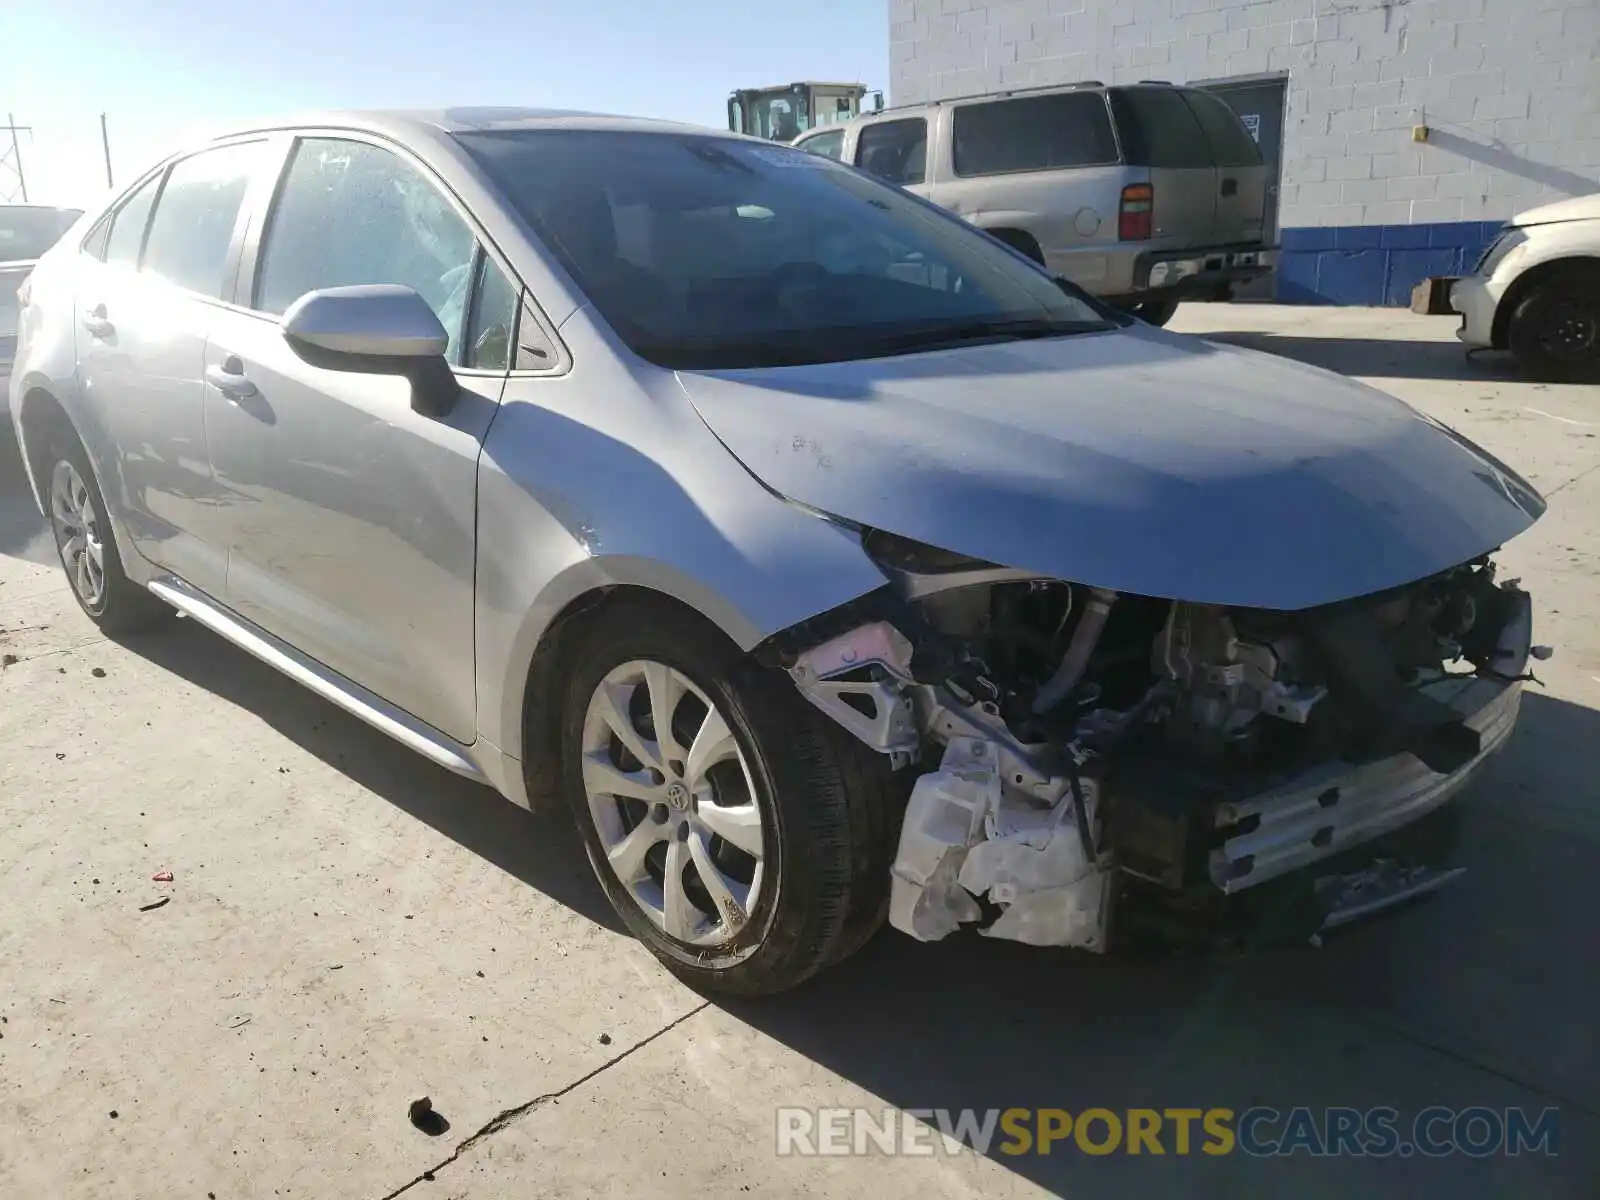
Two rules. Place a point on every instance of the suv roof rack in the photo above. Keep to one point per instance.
(994, 95)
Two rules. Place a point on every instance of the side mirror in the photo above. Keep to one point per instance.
(376, 329)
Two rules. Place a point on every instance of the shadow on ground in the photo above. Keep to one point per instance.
(23, 533)
(1376, 357)
(542, 851)
(1481, 996)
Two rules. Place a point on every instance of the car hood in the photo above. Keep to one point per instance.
(1578, 208)
(1136, 460)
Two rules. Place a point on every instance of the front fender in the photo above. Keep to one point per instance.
(607, 477)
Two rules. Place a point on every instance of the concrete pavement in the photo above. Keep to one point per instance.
(350, 927)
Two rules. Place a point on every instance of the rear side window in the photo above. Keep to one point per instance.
(895, 150)
(192, 231)
(1158, 129)
(127, 226)
(1231, 143)
(1033, 133)
(829, 145)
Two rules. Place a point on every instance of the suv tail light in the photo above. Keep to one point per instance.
(1134, 217)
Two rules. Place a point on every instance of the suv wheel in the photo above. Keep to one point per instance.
(739, 834)
(1155, 312)
(1555, 329)
(88, 550)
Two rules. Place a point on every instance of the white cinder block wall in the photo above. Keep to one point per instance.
(1509, 88)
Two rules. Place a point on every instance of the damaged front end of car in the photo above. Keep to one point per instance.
(1080, 746)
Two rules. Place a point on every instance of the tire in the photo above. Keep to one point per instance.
(1154, 312)
(1021, 241)
(1554, 331)
(87, 548)
(827, 808)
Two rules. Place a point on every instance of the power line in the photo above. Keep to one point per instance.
(11, 163)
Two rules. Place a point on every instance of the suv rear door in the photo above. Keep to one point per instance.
(1160, 132)
(1242, 176)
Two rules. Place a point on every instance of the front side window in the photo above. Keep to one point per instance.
(128, 224)
(706, 252)
(192, 230)
(349, 213)
(829, 145)
(1033, 133)
(894, 150)
(492, 331)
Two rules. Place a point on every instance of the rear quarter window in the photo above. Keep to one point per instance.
(1159, 129)
(1231, 143)
(1033, 133)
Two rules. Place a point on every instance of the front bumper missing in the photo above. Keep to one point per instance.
(1337, 806)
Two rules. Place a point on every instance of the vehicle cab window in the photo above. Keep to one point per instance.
(350, 212)
(895, 150)
(191, 232)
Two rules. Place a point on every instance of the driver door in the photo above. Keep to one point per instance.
(351, 518)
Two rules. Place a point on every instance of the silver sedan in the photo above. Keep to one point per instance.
(828, 560)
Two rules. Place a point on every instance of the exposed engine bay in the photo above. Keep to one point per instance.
(1085, 738)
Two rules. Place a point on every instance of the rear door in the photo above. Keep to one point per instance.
(1242, 177)
(1159, 131)
(144, 315)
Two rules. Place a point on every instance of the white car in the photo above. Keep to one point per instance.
(1536, 291)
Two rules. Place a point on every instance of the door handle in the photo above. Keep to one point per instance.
(95, 322)
(229, 379)
(1230, 187)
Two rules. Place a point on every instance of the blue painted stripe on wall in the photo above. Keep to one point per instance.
(1375, 264)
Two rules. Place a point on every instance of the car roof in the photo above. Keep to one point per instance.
(432, 122)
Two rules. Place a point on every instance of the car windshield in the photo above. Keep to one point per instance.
(26, 233)
(705, 252)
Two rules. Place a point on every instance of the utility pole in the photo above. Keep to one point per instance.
(105, 142)
(11, 160)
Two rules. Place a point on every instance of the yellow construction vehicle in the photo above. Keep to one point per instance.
(783, 113)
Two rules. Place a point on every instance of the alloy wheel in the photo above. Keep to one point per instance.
(78, 535)
(673, 802)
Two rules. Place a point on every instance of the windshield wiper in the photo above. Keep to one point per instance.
(958, 333)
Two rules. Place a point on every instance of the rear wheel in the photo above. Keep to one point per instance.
(1555, 329)
(87, 548)
(739, 834)
(1154, 312)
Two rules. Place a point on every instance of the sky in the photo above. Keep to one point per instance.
(170, 72)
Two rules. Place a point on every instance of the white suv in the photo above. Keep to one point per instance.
(1536, 291)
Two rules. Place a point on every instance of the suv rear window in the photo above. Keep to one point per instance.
(1231, 144)
(1158, 128)
(1033, 133)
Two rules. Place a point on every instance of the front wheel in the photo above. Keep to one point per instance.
(1555, 329)
(740, 835)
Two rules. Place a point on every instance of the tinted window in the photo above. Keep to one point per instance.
(1231, 143)
(1158, 129)
(494, 320)
(192, 229)
(26, 233)
(706, 252)
(127, 226)
(894, 150)
(349, 212)
(829, 145)
(1033, 133)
